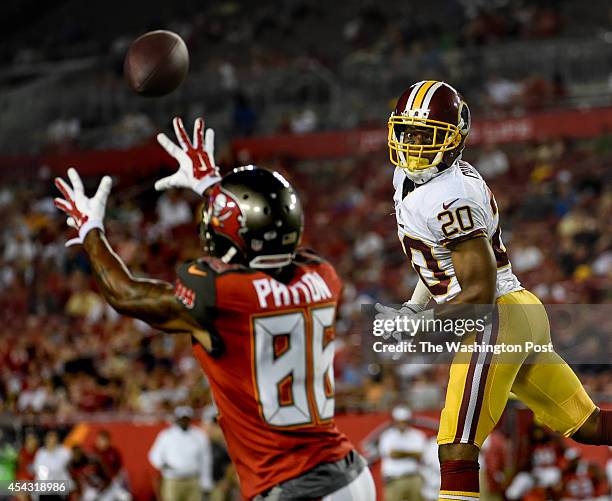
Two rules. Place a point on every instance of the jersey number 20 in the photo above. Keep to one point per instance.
(293, 357)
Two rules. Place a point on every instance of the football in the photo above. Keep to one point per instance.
(156, 63)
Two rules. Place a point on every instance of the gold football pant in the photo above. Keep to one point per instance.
(480, 382)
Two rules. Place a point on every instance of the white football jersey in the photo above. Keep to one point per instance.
(454, 206)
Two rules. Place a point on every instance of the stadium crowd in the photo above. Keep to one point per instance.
(66, 351)
(289, 66)
(254, 37)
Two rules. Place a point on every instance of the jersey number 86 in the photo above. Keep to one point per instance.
(293, 366)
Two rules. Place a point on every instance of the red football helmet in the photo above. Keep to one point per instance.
(427, 129)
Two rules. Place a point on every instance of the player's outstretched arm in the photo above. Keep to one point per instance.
(196, 159)
(150, 300)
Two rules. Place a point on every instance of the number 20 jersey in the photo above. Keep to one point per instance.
(454, 206)
(271, 366)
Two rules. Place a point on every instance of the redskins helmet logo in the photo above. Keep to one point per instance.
(225, 215)
(465, 119)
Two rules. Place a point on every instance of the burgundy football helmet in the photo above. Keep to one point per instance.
(427, 129)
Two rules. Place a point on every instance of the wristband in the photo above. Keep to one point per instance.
(203, 184)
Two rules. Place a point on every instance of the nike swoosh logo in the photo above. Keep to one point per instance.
(446, 206)
(194, 270)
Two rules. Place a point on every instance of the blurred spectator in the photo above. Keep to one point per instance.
(85, 473)
(19, 248)
(501, 93)
(578, 222)
(228, 77)
(525, 256)
(429, 470)
(224, 476)
(83, 302)
(108, 454)
(494, 465)
(367, 245)
(173, 210)
(380, 390)
(543, 468)
(8, 457)
(93, 480)
(304, 121)
(35, 396)
(244, 116)
(182, 455)
(132, 128)
(538, 92)
(492, 162)
(582, 480)
(63, 131)
(25, 462)
(401, 448)
(51, 460)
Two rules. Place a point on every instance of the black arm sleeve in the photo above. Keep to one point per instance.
(196, 291)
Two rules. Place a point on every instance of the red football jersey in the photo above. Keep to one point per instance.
(271, 365)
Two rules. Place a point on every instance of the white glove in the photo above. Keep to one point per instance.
(84, 214)
(411, 312)
(197, 169)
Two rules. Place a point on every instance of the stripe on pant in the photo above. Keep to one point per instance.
(473, 394)
(487, 368)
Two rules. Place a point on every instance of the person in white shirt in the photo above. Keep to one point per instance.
(51, 460)
(401, 448)
(172, 210)
(182, 455)
(430, 471)
(492, 162)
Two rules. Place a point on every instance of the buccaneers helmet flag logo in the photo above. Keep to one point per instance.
(226, 217)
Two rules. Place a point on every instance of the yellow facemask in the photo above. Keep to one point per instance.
(444, 137)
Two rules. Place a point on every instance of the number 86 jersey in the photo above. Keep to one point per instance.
(270, 367)
(452, 207)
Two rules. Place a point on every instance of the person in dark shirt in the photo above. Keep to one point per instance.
(108, 454)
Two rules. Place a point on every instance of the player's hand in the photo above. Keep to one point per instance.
(386, 312)
(84, 214)
(412, 312)
(197, 169)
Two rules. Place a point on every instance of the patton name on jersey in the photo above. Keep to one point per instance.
(452, 207)
(310, 288)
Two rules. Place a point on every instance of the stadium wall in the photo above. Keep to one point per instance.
(135, 438)
(150, 157)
